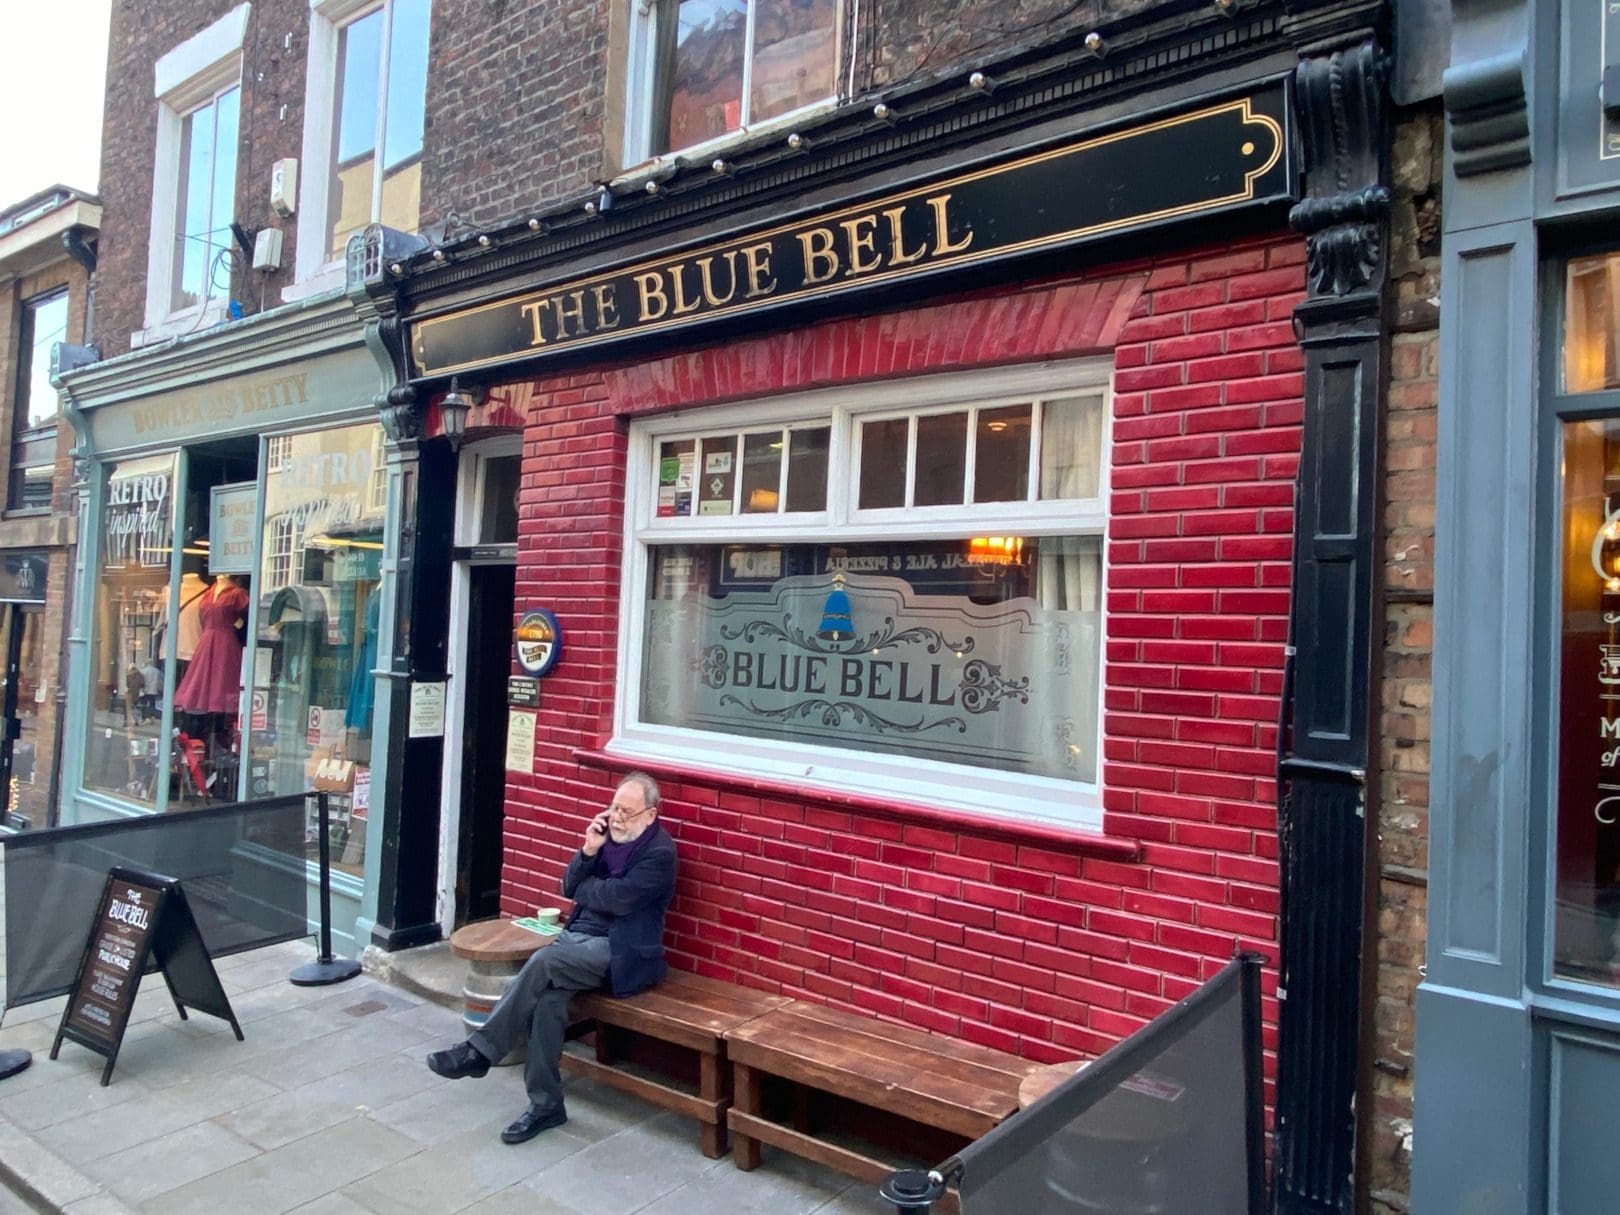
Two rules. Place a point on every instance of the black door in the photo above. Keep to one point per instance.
(18, 627)
(483, 742)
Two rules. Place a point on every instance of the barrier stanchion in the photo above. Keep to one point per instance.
(325, 969)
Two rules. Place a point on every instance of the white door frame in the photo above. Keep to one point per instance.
(468, 511)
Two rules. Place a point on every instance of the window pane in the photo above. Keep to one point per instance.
(795, 55)
(222, 208)
(677, 478)
(716, 480)
(706, 73)
(133, 619)
(31, 487)
(807, 468)
(1587, 926)
(354, 142)
(1071, 447)
(192, 231)
(502, 476)
(407, 82)
(317, 639)
(945, 650)
(762, 473)
(941, 459)
(45, 324)
(1001, 455)
(883, 463)
(1591, 351)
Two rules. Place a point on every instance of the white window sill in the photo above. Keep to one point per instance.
(328, 278)
(978, 792)
(701, 153)
(180, 324)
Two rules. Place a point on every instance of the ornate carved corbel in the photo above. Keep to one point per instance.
(375, 257)
(1346, 205)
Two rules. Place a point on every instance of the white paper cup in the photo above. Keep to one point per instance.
(548, 915)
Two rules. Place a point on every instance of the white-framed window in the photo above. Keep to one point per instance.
(197, 86)
(891, 590)
(701, 71)
(364, 113)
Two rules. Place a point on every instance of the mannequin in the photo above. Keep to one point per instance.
(188, 627)
(212, 682)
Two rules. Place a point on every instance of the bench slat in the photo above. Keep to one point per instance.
(841, 1021)
(664, 1095)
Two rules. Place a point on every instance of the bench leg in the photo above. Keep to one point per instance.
(745, 1148)
(803, 1119)
(711, 1088)
(605, 1043)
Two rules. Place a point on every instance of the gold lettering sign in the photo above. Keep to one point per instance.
(1219, 156)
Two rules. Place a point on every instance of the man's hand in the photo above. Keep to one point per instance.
(596, 835)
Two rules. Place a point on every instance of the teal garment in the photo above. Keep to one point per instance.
(361, 684)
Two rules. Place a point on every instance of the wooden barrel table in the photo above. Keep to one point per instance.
(495, 951)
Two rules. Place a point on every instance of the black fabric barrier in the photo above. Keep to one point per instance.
(1169, 1122)
(242, 865)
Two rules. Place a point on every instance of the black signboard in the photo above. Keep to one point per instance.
(143, 920)
(522, 692)
(22, 578)
(1223, 155)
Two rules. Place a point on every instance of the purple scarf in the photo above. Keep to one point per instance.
(619, 856)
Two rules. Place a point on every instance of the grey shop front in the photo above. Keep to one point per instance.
(233, 583)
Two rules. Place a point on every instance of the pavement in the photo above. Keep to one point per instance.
(328, 1109)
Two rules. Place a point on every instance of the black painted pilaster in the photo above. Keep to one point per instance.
(1324, 759)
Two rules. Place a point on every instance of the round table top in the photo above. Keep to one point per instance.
(495, 941)
(1043, 1080)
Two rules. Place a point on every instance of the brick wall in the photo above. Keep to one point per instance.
(52, 533)
(1037, 941)
(1409, 496)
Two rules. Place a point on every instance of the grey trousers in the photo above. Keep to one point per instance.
(536, 1007)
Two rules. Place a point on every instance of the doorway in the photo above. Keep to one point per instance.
(483, 585)
(25, 772)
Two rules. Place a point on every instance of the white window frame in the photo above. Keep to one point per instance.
(314, 271)
(187, 78)
(641, 91)
(980, 791)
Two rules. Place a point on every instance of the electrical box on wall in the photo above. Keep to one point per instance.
(284, 186)
(267, 249)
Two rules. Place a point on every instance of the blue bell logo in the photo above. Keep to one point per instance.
(836, 622)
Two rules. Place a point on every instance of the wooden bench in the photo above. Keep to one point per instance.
(674, 1031)
(806, 1076)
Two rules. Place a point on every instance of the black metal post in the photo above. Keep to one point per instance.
(912, 1191)
(325, 969)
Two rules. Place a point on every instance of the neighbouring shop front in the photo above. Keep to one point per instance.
(232, 580)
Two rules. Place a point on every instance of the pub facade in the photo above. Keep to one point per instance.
(907, 478)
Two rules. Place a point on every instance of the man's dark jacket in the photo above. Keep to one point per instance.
(634, 905)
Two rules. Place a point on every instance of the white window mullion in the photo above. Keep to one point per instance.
(911, 460)
(970, 459)
(1037, 411)
(383, 53)
(745, 109)
(782, 471)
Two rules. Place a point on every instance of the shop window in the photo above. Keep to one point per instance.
(194, 179)
(316, 643)
(902, 602)
(363, 125)
(33, 443)
(701, 70)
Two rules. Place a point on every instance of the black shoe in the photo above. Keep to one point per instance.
(462, 1059)
(531, 1122)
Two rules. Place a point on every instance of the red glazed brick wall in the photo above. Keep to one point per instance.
(1034, 940)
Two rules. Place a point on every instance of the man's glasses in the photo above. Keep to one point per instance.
(617, 811)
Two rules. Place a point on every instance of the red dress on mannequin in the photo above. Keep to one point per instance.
(212, 682)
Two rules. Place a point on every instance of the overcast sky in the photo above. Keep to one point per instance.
(53, 64)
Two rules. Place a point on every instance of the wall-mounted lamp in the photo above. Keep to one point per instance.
(454, 407)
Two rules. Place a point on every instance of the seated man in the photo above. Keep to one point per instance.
(621, 880)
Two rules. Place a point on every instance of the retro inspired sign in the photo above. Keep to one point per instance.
(869, 662)
(1224, 155)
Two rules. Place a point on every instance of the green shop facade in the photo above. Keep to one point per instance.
(234, 624)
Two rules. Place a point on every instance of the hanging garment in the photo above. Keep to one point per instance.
(361, 682)
(213, 680)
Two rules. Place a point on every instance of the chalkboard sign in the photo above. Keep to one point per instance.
(143, 921)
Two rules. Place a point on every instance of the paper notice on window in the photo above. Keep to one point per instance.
(520, 731)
